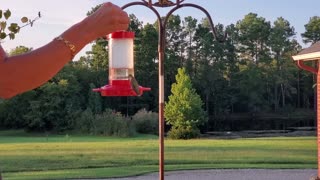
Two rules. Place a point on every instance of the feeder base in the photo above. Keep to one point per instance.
(120, 88)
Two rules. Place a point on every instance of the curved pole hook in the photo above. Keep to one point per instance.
(146, 4)
(214, 32)
(161, 42)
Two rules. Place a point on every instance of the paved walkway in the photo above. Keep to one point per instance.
(231, 174)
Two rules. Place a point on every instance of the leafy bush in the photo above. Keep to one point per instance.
(146, 122)
(111, 123)
(181, 132)
(84, 124)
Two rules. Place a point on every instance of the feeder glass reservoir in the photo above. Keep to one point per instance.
(121, 63)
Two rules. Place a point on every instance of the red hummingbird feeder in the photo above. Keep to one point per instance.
(121, 67)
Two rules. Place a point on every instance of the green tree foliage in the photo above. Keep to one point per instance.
(184, 110)
(56, 108)
(19, 50)
(146, 51)
(94, 100)
(175, 50)
(280, 44)
(312, 33)
(190, 25)
(253, 33)
(98, 56)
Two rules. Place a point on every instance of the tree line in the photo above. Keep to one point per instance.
(251, 72)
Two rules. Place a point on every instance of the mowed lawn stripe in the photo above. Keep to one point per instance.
(76, 157)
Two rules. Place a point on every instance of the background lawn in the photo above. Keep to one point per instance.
(39, 156)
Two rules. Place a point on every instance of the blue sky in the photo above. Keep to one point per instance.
(58, 15)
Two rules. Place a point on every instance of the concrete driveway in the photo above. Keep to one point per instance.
(231, 174)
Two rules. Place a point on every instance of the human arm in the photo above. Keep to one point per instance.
(30, 70)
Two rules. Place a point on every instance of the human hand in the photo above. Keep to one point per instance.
(107, 19)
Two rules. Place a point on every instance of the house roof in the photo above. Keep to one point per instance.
(310, 53)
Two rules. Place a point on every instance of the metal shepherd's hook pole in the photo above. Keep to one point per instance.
(161, 52)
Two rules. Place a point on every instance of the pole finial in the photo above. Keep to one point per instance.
(164, 3)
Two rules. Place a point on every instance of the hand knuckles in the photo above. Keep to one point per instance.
(107, 4)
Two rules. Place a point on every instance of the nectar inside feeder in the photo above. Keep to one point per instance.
(121, 67)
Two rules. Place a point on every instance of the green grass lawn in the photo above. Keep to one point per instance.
(37, 156)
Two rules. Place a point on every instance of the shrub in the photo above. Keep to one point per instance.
(146, 122)
(111, 123)
(84, 123)
(187, 132)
